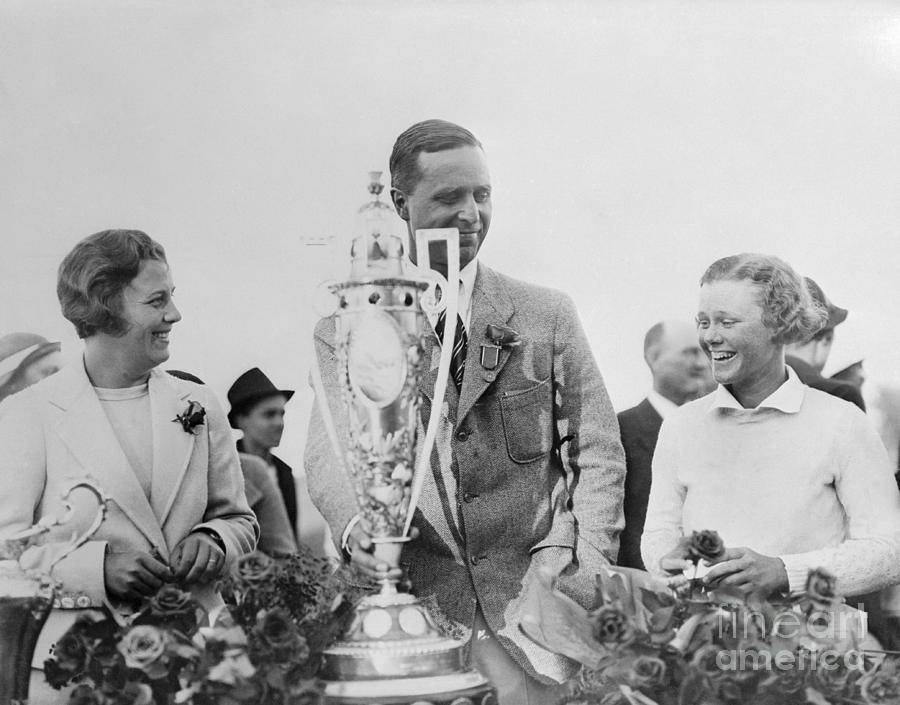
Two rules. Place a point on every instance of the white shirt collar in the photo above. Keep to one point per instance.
(662, 405)
(788, 398)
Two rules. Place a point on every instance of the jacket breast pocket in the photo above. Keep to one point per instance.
(528, 422)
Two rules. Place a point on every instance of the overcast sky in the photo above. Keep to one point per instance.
(630, 143)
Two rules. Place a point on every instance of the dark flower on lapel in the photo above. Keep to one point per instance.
(502, 336)
(192, 417)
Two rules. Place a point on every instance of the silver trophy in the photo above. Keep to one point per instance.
(393, 652)
(26, 597)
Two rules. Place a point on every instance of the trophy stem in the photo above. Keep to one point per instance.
(388, 550)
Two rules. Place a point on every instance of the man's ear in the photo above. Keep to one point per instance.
(401, 204)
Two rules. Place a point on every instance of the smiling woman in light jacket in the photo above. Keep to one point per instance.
(178, 512)
(792, 478)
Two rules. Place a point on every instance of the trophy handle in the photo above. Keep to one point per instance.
(77, 542)
(451, 297)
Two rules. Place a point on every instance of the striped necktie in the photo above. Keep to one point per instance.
(458, 358)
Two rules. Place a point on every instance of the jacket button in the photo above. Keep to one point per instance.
(468, 497)
(462, 435)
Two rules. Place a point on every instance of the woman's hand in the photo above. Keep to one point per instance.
(197, 559)
(131, 575)
(678, 559)
(748, 571)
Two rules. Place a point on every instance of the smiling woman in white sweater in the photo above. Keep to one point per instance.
(790, 477)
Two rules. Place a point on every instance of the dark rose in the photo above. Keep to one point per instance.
(706, 660)
(192, 416)
(832, 678)
(502, 336)
(85, 695)
(70, 651)
(647, 673)
(706, 545)
(789, 682)
(278, 633)
(137, 693)
(611, 625)
(728, 689)
(170, 599)
(821, 588)
(254, 568)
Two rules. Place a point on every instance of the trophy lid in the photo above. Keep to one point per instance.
(377, 249)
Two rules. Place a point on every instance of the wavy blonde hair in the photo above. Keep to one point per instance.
(789, 310)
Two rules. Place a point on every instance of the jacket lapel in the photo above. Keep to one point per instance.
(490, 304)
(87, 433)
(172, 445)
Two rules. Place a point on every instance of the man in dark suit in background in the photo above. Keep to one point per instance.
(680, 373)
(809, 358)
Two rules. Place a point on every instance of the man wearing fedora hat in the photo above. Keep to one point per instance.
(257, 409)
(809, 358)
(26, 358)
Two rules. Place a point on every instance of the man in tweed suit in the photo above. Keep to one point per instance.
(528, 469)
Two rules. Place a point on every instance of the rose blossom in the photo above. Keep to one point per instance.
(821, 588)
(611, 625)
(277, 632)
(647, 672)
(706, 545)
(170, 599)
(254, 568)
(882, 686)
(138, 693)
(143, 647)
(70, 651)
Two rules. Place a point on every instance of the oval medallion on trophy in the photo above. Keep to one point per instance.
(376, 358)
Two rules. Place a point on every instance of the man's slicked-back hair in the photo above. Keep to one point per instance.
(94, 274)
(788, 308)
(426, 136)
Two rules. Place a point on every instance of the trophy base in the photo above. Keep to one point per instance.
(414, 691)
(393, 653)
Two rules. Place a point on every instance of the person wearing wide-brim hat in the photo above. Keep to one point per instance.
(26, 358)
(257, 409)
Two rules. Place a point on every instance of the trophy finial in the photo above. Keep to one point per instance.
(377, 249)
(375, 185)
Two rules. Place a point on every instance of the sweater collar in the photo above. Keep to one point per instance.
(788, 398)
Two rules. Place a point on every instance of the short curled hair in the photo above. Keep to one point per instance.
(789, 310)
(426, 136)
(94, 274)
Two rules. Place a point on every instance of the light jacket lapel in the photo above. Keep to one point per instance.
(87, 433)
(490, 304)
(172, 445)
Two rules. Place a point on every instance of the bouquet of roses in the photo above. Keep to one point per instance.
(653, 642)
(264, 648)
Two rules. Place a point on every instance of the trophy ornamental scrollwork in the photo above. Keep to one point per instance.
(393, 651)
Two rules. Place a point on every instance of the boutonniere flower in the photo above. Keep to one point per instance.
(191, 417)
(500, 337)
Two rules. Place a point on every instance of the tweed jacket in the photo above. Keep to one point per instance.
(57, 430)
(639, 429)
(534, 474)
